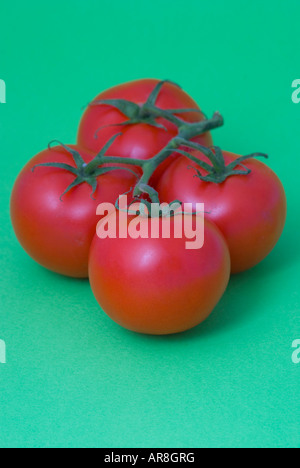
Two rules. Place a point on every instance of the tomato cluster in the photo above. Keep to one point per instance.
(150, 140)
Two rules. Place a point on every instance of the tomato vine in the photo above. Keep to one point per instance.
(147, 113)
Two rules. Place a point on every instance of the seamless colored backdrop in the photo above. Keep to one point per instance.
(73, 377)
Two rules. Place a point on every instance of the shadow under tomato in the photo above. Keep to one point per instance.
(244, 299)
(39, 271)
(246, 294)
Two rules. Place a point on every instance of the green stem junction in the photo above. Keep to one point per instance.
(217, 171)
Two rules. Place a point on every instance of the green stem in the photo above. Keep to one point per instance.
(186, 131)
(190, 131)
(215, 158)
(196, 129)
(120, 160)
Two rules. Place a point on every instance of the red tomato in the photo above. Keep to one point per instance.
(155, 285)
(139, 141)
(58, 233)
(250, 210)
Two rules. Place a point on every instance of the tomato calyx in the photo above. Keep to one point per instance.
(149, 210)
(150, 206)
(146, 113)
(146, 209)
(84, 172)
(217, 171)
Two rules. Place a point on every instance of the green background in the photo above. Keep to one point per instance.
(73, 377)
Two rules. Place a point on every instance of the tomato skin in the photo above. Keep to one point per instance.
(157, 286)
(58, 234)
(139, 141)
(250, 210)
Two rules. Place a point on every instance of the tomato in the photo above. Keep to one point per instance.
(55, 232)
(250, 210)
(138, 141)
(156, 285)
